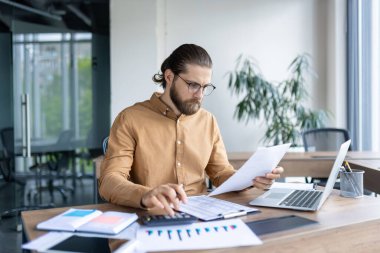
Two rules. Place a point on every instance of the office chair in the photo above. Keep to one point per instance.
(8, 171)
(6, 135)
(324, 139)
(58, 163)
(57, 158)
(105, 144)
(87, 154)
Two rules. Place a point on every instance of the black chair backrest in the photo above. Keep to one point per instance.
(7, 139)
(6, 159)
(65, 138)
(324, 139)
(105, 145)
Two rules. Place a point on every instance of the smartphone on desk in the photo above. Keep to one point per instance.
(81, 244)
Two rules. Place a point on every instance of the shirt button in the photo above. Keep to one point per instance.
(178, 142)
(178, 164)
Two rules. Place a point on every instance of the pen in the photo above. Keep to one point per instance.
(233, 214)
(347, 166)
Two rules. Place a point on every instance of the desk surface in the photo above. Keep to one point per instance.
(344, 225)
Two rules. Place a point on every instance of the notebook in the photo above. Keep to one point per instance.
(305, 200)
(89, 220)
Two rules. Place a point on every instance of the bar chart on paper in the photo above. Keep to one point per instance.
(204, 235)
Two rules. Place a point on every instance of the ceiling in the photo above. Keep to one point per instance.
(78, 15)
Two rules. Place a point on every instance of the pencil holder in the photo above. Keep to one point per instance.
(351, 184)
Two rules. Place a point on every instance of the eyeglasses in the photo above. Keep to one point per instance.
(195, 87)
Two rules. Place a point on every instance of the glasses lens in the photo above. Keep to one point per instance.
(194, 88)
(208, 89)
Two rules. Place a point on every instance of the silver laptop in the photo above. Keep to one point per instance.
(306, 200)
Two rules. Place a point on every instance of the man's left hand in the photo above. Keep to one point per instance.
(265, 182)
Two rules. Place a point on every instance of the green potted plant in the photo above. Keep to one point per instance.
(279, 104)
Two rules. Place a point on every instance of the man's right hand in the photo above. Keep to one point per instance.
(164, 197)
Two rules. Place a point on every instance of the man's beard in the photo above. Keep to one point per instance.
(188, 107)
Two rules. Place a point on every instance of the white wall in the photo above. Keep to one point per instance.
(133, 52)
(144, 32)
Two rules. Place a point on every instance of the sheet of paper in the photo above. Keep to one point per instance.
(203, 235)
(294, 186)
(263, 161)
(46, 241)
(209, 208)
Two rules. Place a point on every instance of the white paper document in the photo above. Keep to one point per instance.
(263, 161)
(47, 241)
(209, 208)
(204, 235)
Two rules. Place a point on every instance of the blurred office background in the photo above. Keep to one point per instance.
(78, 63)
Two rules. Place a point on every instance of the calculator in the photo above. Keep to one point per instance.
(167, 220)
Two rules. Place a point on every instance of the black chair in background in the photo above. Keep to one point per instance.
(87, 154)
(324, 139)
(6, 135)
(14, 183)
(60, 155)
(51, 165)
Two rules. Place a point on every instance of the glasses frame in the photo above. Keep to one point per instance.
(191, 85)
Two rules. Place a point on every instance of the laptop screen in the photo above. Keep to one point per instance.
(334, 171)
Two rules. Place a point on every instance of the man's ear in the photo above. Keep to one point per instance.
(169, 76)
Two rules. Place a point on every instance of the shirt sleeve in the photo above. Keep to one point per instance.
(218, 168)
(114, 182)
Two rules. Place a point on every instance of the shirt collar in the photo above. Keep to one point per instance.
(161, 106)
(164, 109)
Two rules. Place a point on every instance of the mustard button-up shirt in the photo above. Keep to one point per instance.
(149, 146)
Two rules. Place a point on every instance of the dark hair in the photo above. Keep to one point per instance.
(176, 62)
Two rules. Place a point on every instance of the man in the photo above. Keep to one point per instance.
(160, 150)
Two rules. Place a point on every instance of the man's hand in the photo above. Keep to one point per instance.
(266, 182)
(164, 197)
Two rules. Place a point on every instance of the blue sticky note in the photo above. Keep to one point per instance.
(80, 213)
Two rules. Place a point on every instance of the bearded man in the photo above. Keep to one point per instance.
(160, 150)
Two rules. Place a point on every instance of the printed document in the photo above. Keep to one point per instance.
(197, 236)
(263, 161)
(208, 208)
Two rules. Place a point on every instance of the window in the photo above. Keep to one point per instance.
(55, 70)
(363, 75)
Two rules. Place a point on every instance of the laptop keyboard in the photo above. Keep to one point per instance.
(301, 198)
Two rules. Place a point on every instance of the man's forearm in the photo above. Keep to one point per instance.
(118, 190)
